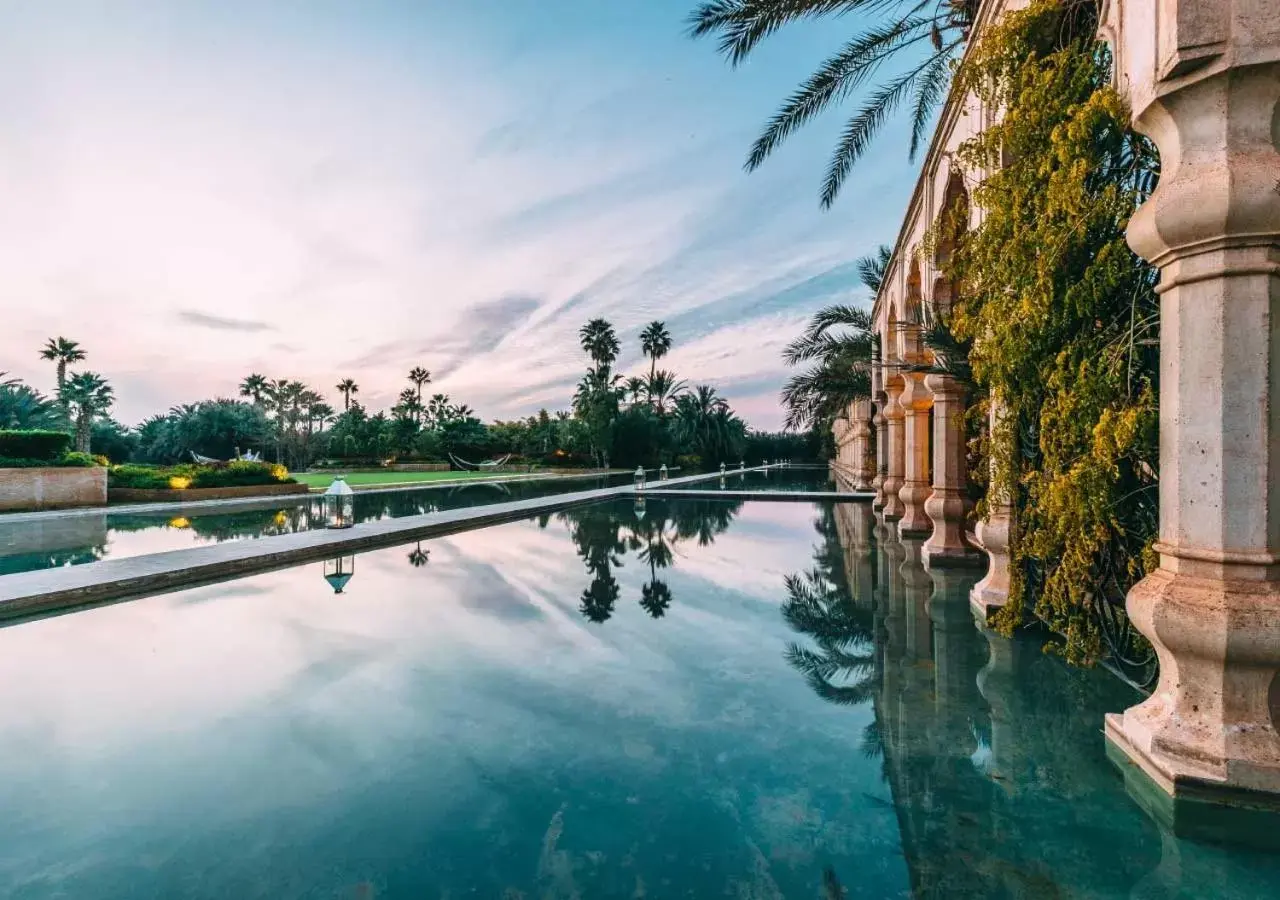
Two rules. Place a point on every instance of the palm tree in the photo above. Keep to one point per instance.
(599, 341)
(899, 29)
(655, 341)
(22, 406)
(88, 396)
(254, 386)
(419, 376)
(63, 352)
(408, 405)
(347, 387)
(662, 389)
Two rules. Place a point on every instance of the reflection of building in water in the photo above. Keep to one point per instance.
(54, 541)
(993, 754)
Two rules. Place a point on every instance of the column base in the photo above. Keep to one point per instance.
(992, 592)
(963, 557)
(915, 522)
(1191, 806)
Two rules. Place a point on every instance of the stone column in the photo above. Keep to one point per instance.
(917, 403)
(881, 426)
(896, 453)
(1205, 86)
(992, 592)
(948, 505)
(862, 462)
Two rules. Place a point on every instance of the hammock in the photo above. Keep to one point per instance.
(491, 464)
(251, 456)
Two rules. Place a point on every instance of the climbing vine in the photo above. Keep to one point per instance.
(1063, 320)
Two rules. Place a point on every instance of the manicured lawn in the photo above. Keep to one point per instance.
(370, 479)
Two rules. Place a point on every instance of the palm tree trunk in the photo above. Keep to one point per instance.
(82, 432)
(62, 381)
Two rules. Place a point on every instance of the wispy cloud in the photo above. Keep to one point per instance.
(335, 203)
(222, 323)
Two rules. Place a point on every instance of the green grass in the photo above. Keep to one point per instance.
(386, 479)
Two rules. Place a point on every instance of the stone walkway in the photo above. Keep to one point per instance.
(29, 594)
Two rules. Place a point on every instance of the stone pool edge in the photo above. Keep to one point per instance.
(27, 595)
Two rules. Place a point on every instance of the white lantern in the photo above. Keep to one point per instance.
(742, 465)
(339, 504)
(662, 472)
(338, 571)
(639, 478)
(721, 470)
(722, 482)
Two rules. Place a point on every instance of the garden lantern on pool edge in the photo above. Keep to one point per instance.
(339, 505)
(639, 478)
(338, 571)
(662, 472)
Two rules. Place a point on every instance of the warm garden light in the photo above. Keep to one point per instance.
(339, 504)
(179, 482)
(338, 571)
(639, 479)
(662, 472)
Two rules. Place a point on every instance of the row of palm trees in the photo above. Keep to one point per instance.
(83, 396)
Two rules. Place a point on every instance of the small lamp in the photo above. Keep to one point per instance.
(662, 472)
(339, 504)
(742, 465)
(639, 478)
(721, 470)
(338, 571)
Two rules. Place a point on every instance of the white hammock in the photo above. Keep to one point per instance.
(491, 464)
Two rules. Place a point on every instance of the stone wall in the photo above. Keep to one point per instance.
(52, 488)
(186, 495)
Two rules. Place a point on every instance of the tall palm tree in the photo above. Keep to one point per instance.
(347, 387)
(419, 376)
(254, 386)
(63, 352)
(600, 341)
(87, 395)
(655, 341)
(22, 406)
(921, 37)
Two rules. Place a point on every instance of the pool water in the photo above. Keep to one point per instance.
(694, 699)
(789, 478)
(86, 537)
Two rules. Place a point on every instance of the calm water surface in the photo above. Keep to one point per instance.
(713, 700)
(85, 538)
(794, 478)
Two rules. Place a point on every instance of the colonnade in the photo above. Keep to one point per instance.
(1202, 79)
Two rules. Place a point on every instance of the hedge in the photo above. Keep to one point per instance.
(66, 461)
(240, 473)
(32, 444)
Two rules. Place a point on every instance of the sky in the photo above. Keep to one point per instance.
(320, 190)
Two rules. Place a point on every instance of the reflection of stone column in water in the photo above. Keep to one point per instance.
(997, 682)
(893, 649)
(917, 657)
(861, 550)
(1212, 608)
(955, 661)
(896, 460)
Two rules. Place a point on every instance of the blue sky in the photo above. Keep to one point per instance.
(320, 190)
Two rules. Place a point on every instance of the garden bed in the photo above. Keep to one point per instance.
(186, 495)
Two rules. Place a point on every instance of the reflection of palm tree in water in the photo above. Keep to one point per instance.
(603, 533)
(841, 664)
(419, 557)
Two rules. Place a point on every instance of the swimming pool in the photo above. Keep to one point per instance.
(686, 698)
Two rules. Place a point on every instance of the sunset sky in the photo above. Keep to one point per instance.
(319, 190)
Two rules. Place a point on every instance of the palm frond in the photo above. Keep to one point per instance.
(872, 268)
(743, 24)
(930, 90)
(834, 80)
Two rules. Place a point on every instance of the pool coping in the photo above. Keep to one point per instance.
(26, 595)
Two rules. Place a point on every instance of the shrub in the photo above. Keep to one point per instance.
(240, 473)
(34, 444)
(79, 460)
(140, 477)
(67, 460)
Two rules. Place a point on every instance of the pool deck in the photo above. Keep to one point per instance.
(32, 594)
